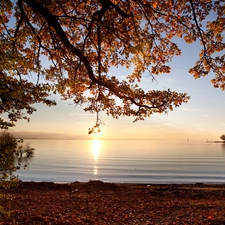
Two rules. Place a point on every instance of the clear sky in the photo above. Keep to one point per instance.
(203, 117)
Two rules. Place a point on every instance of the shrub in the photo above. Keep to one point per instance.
(13, 155)
(8, 146)
(222, 137)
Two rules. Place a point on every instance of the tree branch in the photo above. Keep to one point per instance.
(107, 4)
(115, 89)
(198, 28)
(44, 12)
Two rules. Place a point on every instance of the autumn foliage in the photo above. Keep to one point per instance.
(69, 46)
(100, 203)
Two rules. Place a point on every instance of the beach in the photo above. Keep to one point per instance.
(96, 202)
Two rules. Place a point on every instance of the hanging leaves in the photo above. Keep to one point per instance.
(76, 43)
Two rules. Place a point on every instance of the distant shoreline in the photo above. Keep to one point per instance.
(215, 142)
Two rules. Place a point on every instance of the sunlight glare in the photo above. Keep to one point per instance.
(95, 149)
(95, 170)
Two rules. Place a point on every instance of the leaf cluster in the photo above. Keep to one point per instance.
(81, 40)
(18, 96)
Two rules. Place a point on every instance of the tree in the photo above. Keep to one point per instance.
(222, 137)
(13, 155)
(8, 146)
(11, 159)
(18, 95)
(82, 39)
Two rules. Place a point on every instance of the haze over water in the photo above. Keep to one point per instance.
(126, 161)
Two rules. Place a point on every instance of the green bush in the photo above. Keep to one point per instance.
(8, 146)
(13, 155)
(11, 159)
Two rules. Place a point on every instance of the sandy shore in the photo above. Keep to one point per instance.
(99, 203)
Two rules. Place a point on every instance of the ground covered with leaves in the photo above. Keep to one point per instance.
(99, 203)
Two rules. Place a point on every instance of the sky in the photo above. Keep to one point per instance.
(202, 118)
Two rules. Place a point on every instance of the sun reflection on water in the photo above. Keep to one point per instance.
(95, 152)
(95, 149)
(95, 170)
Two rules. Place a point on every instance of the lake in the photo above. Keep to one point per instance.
(126, 161)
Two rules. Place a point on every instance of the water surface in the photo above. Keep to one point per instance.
(126, 161)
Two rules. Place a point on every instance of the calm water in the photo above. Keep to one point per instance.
(136, 161)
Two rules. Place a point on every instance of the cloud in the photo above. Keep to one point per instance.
(168, 126)
(189, 110)
(82, 114)
(206, 116)
(45, 135)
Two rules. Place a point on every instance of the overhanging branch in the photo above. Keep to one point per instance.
(115, 89)
(44, 12)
